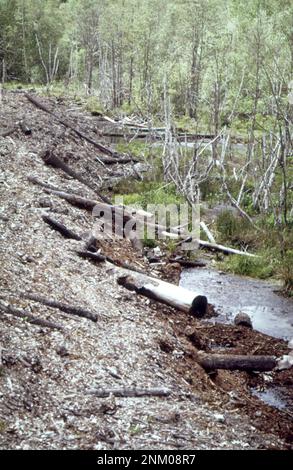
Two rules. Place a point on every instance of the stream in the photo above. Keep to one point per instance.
(270, 312)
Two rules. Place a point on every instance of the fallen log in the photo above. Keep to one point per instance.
(61, 228)
(113, 161)
(131, 392)
(90, 204)
(156, 134)
(75, 200)
(224, 249)
(36, 181)
(80, 134)
(138, 216)
(77, 311)
(217, 247)
(186, 263)
(166, 293)
(234, 362)
(108, 209)
(8, 309)
(207, 232)
(97, 257)
(50, 158)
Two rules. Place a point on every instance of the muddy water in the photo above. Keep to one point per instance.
(270, 313)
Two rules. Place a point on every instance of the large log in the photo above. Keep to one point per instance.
(234, 362)
(166, 293)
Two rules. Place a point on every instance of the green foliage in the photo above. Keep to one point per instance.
(124, 50)
(286, 272)
(261, 267)
(151, 192)
(93, 106)
(227, 224)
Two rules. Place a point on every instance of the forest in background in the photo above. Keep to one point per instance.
(218, 66)
(217, 57)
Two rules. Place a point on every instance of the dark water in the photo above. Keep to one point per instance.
(270, 312)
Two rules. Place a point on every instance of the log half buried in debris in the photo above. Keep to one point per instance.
(131, 392)
(8, 309)
(234, 362)
(61, 228)
(166, 293)
(78, 311)
(50, 158)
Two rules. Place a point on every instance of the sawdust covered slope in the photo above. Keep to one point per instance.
(46, 375)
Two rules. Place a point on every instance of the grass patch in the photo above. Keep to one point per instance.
(149, 192)
(262, 267)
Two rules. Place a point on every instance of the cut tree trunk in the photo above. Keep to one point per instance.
(234, 362)
(166, 293)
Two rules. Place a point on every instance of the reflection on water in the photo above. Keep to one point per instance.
(275, 397)
(270, 313)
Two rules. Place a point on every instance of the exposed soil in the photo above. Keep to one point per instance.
(46, 375)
